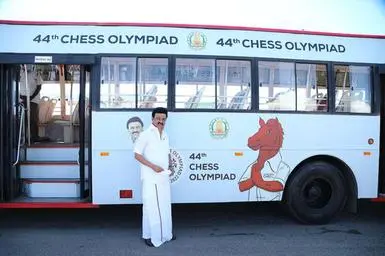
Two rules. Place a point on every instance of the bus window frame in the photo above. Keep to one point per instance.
(216, 58)
(97, 96)
(301, 62)
(295, 61)
(375, 90)
(254, 108)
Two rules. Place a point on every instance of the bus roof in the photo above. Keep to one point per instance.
(355, 18)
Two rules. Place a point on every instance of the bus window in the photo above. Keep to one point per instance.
(353, 89)
(195, 80)
(125, 79)
(233, 84)
(311, 87)
(276, 85)
(152, 82)
(117, 85)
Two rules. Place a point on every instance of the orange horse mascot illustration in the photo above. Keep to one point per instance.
(268, 141)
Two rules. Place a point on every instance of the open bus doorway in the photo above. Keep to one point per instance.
(52, 167)
(58, 109)
(54, 102)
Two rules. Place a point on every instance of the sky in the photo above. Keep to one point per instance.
(336, 16)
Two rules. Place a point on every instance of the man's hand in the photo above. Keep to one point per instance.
(143, 161)
(157, 168)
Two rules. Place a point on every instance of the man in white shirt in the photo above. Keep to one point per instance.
(152, 150)
(34, 81)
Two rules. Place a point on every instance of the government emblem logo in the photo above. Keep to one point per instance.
(219, 128)
(197, 40)
(176, 166)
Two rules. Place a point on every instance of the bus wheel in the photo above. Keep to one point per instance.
(316, 193)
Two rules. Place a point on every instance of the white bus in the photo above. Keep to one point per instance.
(254, 115)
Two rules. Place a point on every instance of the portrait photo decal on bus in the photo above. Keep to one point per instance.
(134, 127)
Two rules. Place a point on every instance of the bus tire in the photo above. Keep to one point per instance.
(316, 193)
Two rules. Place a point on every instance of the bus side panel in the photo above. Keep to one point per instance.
(233, 157)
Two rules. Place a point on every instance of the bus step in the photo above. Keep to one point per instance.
(57, 153)
(53, 188)
(49, 169)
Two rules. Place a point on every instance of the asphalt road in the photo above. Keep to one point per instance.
(224, 229)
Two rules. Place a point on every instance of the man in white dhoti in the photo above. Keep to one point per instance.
(152, 150)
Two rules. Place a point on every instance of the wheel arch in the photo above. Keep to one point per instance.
(350, 180)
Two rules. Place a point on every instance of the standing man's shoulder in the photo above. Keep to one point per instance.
(146, 132)
(141, 141)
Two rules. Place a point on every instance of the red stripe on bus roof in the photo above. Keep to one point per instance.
(198, 26)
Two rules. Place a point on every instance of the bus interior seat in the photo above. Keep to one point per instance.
(222, 104)
(46, 108)
(360, 107)
(317, 102)
(149, 98)
(116, 103)
(70, 127)
(193, 101)
(344, 102)
(322, 102)
(358, 103)
(282, 100)
(72, 134)
(239, 99)
(75, 113)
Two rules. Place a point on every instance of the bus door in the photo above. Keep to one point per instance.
(85, 77)
(16, 159)
(10, 132)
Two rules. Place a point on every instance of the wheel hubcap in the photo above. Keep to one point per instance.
(317, 193)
